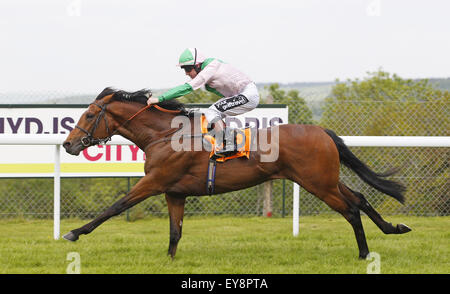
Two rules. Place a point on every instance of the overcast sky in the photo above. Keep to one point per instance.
(86, 45)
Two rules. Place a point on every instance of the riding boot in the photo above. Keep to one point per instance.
(227, 146)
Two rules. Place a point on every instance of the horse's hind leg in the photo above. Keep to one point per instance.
(350, 212)
(338, 202)
(360, 201)
(176, 213)
(322, 180)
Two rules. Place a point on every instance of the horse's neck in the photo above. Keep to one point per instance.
(146, 127)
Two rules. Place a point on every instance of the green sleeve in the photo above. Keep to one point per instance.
(176, 92)
(213, 91)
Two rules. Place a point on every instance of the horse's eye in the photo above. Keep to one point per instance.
(89, 116)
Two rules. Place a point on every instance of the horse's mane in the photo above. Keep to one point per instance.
(140, 96)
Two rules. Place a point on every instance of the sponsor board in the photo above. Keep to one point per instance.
(101, 160)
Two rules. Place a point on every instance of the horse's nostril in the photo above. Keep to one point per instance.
(66, 144)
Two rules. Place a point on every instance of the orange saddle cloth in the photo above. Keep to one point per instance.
(243, 140)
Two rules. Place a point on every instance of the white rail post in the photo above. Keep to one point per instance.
(57, 193)
(296, 210)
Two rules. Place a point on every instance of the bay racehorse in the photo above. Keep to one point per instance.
(308, 155)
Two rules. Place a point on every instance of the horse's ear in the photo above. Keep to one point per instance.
(108, 98)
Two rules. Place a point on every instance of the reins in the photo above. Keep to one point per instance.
(165, 110)
(147, 107)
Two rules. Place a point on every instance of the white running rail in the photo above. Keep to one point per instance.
(362, 141)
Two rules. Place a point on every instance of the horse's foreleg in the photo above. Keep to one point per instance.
(142, 190)
(176, 213)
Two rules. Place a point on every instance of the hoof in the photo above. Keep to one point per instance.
(171, 254)
(402, 228)
(363, 256)
(70, 237)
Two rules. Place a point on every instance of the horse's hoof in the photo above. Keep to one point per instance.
(402, 228)
(70, 237)
(363, 256)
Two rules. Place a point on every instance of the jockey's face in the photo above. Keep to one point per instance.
(191, 72)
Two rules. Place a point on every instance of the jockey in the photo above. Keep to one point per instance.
(238, 94)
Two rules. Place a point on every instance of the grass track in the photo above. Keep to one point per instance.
(226, 245)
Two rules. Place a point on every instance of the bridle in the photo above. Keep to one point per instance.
(89, 139)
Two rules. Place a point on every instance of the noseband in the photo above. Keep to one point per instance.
(89, 140)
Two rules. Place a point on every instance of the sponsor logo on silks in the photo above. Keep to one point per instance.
(231, 102)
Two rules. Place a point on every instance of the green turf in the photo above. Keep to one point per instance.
(225, 245)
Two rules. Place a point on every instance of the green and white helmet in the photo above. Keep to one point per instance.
(190, 56)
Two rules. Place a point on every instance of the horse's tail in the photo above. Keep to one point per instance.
(372, 178)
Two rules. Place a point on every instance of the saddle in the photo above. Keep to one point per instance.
(238, 146)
